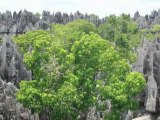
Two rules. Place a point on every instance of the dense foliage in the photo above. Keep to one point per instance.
(152, 33)
(75, 69)
(123, 32)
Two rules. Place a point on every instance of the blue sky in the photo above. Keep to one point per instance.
(98, 7)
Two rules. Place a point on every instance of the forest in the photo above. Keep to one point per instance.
(80, 66)
(60, 66)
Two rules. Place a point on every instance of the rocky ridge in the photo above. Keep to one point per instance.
(147, 21)
(18, 23)
(12, 71)
(10, 109)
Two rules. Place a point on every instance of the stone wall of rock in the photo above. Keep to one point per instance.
(12, 71)
(11, 67)
(148, 20)
(10, 109)
(18, 23)
(149, 64)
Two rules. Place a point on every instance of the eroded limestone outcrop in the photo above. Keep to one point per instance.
(9, 108)
(149, 64)
(11, 67)
(148, 20)
(21, 22)
(145, 117)
(12, 71)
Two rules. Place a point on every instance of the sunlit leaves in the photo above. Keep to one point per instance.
(123, 32)
(74, 68)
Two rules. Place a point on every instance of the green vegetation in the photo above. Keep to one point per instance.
(74, 68)
(153, 33)
(123, 32)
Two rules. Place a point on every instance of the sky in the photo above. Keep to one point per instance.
(101, 8)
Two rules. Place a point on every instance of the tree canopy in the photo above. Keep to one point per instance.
(152, 33)
(123, 32)
(74, 68)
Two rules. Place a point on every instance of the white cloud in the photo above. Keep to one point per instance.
(99, 7)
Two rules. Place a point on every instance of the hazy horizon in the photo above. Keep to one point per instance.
(102, 9)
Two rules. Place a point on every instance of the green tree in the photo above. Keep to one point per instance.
(71, 76)
(152, 33)
(123, 32)
(34, 45)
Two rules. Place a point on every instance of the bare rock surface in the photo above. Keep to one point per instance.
(23, 21)
(148, 20)
(149, 64)
(146, 117)
(11, 67)
(9, 108)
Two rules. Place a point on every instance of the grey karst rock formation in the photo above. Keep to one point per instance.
(136, 15)
(12, 71)
(148, 20)
(149, 64)
(152, 94)
(151, 84)
(145, 117)
(65, 18)
(11, 67)
(18, 23)
(78, 15)
(129, 115)
(9, 108)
